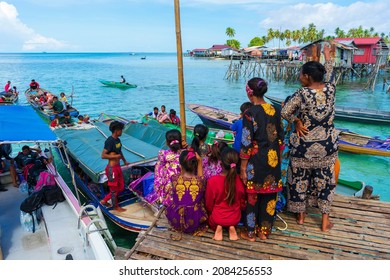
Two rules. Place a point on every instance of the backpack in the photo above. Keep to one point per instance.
(31, 205)
(52, 195)
(45, 179)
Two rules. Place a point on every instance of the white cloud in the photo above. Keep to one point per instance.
(329, 16)
(13, 30)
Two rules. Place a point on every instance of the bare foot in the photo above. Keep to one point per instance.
(218, 234)
(261, 236)
(248, 236)
(300, 218)
(102, 202)
(327, 227)
(233, 233)
(119, 209)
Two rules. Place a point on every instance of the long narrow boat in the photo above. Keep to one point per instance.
(32, 97)
(84, 146)
(65, 231)
(8, 98)
(349, 141)
(117, 84)
(350, 113)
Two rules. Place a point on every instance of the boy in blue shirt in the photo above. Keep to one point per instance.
(237, 126)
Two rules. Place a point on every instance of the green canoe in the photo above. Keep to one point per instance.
(117, 84)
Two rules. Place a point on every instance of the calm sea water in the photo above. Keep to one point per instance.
(156, 77)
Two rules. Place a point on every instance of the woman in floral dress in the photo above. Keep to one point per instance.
(261, 144)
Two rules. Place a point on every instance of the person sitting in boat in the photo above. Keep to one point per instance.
(57, 106)
(66, 120)
(173, 117)
(15, 91)
(163, 116)
(7, 162)
(64, 100)
(80, 119)
(55, 122)
(86, 119)
(7, 86)
(153, 114)
(34, 85)
(123, 80)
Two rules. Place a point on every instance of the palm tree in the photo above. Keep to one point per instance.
(230, 32)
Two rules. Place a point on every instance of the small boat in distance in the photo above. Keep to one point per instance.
(350, 113)
(117, 84)
(8, 98)
(144, 57)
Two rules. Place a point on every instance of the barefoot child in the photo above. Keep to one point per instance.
(186, 213)
(113, 153)
(225, 197)
(167, 166)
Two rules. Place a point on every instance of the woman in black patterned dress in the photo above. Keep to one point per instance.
(314, 147)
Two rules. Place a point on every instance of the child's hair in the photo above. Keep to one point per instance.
(229, 160)
(188, 161)
(116, 125)
(259, 86)
(80, 117)
(200, 134)
(216, 151)
(173, 138)
(245, 106)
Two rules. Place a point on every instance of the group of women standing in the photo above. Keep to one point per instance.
(246, 184)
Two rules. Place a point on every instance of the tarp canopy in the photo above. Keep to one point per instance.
(86, 146)
(22, 124)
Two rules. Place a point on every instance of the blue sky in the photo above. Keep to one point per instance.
(149, 25)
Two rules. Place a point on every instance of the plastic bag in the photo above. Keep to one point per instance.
(220, 134)
(23, 187)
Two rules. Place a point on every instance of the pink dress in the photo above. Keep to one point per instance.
(211, 168)
(166, 167)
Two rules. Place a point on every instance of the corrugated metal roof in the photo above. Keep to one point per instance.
(218, 47)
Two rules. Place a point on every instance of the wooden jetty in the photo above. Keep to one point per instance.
(361, 232)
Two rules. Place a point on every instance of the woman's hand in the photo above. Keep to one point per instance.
(300, 129)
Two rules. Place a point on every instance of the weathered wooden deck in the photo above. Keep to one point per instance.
(361, 231)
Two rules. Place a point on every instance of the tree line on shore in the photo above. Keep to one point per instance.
(304, 35)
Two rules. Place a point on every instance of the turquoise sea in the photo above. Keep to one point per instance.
(157, 80)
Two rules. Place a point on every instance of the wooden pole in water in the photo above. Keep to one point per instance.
(180, 70)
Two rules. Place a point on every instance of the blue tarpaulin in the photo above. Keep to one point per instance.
(22, 124)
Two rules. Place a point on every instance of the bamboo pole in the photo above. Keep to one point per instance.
(180, 71)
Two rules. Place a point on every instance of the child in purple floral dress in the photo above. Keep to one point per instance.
(167, 165)
(212, 164)
(187, 213)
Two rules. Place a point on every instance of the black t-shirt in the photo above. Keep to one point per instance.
(22, 159)
(113, 145)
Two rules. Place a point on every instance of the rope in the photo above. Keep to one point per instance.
(285, 223)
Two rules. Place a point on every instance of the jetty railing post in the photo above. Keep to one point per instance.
(180, 70)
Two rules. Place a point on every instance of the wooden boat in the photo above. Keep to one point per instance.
(84, 147)
(214, 117)
(348, 141)
(351, 114)
(66, 228)
(117, 84)
(8, 98)
(32, 97)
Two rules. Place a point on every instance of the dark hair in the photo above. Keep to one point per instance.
(230, 156)
(116, 125)
(155, 108)
(200, 134)
(173, 138)
(259, 86)
(25, 147)
(80, 117)
(245, 106)
(315, 70)
(189, 163)
(216, 151)
(66, 114)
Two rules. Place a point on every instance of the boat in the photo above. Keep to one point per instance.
(214, 117)
(348, 141)
(84, 147)
(117, 84)
(67, 231)
(8, 98)
(345, 113)
(32, 97)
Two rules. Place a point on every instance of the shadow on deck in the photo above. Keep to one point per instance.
(361, 231)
